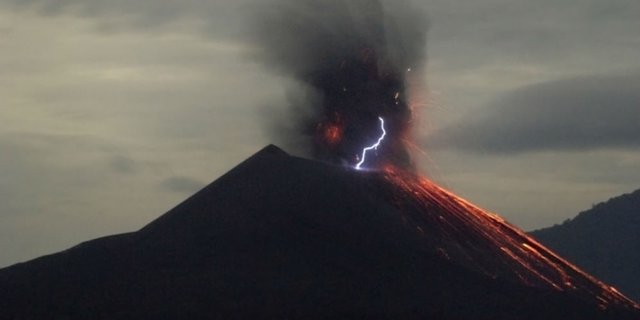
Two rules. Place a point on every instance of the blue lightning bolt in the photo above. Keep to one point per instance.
(375, 146)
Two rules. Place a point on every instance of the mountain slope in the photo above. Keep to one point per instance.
(280, 236)
(604, 240)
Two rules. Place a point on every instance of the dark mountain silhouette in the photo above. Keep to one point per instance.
(604, 240)
(279, 236)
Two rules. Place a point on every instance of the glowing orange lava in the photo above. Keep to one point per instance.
(486, 243)
(332, 132)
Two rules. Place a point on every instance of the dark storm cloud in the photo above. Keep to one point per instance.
(123, 164)
(215, 17)
(584, 113)
(181, 184)
(302, 37)
(161, 11)
(165, 83)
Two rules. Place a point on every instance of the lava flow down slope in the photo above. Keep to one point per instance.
(355, 233)
(282, 236)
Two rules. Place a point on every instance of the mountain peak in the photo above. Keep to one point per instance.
(281, 236)
(271, 149)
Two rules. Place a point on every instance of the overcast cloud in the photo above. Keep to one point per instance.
(585, 113)
(114, 111)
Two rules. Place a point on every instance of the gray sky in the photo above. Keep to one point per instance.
(115, 111)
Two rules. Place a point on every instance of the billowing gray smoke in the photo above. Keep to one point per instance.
(351, 59)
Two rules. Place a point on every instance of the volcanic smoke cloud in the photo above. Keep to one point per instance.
(351, 59)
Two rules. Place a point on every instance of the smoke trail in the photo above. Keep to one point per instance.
(351, 59)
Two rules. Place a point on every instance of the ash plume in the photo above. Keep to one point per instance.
(350, 60)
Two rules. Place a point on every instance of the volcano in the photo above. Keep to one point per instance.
(281, 236)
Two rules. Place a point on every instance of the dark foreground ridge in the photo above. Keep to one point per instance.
(277, 236)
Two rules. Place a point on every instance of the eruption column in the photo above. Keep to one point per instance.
(348, 60)
(375, 146)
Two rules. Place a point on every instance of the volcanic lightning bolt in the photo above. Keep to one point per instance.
(362, 70)
(374, 146)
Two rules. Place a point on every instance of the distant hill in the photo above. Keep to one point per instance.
(604, 241)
